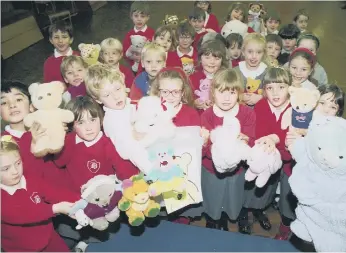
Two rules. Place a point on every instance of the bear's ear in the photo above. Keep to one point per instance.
(250, 5)
(98, 47)
(33, 88)
(292, 90)
(316, 94)
(81, 46)
(58, 86)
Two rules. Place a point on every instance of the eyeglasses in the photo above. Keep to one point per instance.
(185, 37)
(175, 93)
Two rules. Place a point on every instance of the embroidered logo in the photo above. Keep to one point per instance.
(301, 118)
(35, 198)
(93, 166)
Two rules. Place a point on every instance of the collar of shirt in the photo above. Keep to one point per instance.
(181, 54)
(252, 73)
(208, 75)
(284, 51)
(206, 18)
(15, 133)
(277, 112)
(12, 189)
(89, 143)
(144, 28)
(220, 113)
(57, 54)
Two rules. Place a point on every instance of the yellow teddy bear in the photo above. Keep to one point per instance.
(252, 86)
(90, 53)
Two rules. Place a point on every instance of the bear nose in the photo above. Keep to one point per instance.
(297, 107)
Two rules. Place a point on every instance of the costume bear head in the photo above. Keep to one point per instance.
(234, 26)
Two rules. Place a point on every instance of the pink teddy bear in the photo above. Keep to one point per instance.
(204, 90)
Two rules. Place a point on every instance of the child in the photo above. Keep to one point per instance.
(301, 20)
(274, 46)
(253, 68)
(153, 60)
(210, 19)
(225, 192)
(61, 37)
(187, 54)
(238, 11)
(301, 65)
(312, 43)
(212, 56)
(111, 54)
(197, 20)
(28, 204)
(332, 100)
(234, 45)
(139, 14)
(271, 23)
(289, 35)
(73, 70)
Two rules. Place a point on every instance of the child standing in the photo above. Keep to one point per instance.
(111, 54)
(61, 37)
(271, 22)
(197, 20)
(289, 35)
(274, 46)
(238, 11)
(301, 20)
(225, 192)
(210, 19)
(234, 45)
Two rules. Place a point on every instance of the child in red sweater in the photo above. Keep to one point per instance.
(28, 204)
(61, 37)
(210, 19)
(234, 44)
(197, 19)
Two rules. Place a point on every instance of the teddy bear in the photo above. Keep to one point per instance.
(136, 201)
(90, 53)
(234, 26)
(204, 90)
(46, 98)
(171, 20)
(137, 44)
(227, 150)
(188, 65)
(318, 181)
(255, 11)
(262, 165)
(303, 102)
(252, 86)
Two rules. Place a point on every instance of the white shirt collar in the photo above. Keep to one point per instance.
(233, 112)
(206, 18)
(208, 75)
(15, 133)
(142, 30)
(277, 112)
(283, 51)
(252, 73)
(12, 189)
(89, 143)
(57, 54)
(180, 54)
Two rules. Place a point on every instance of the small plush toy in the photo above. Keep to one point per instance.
(136, 201)
(137, 44)
(204, 91)
(90, 53)
(303, 102)
(99, 203)
(318, 181)
(171, 20)
(227, 150)
(255, 12)
(46, 98)
(262, 165)
(252, 86)
(188, 65)
(234, 26)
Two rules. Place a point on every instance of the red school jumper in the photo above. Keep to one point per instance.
(267, 124)
(189, 61)
(212, 23)
(187, 116)
(129, 76)
(198, 36)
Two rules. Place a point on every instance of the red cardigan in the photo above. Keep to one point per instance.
(187, 116)
(213, 23)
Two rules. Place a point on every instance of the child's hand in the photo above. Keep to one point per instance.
(202, 105)
(244, 138)
(291, 137)
(267, 143)
(37, 131)
(62, 207)
(205, 135)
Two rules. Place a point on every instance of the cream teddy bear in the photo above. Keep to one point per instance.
(137, 44)
(234, 26)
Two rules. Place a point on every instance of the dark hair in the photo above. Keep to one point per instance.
(209, 6)
(300, 12)
(338, 93)
(275, 39)
(162, 30)
(289, 31)
(271, 14)
(184, 29)
(234, 39)
(61, 26)
(237, 6)
(216, 48)
(306, 54)
(197, 13)
(209, 37)
(8, 85)
(309, 37)
(141, 7)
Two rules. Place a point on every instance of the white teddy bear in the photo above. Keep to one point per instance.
(137, 44)
(234, 26)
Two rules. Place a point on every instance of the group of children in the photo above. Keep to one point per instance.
(203, 80)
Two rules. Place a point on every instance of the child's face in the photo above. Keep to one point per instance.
(226, 100)
(61, 41)
(11, 168)
(277, 94)
(87, 127)
(197, 24)
(327, 105)
(272, 25)
(300, 70)
(253, 54)
(210, 63)
(111, 56)
(234, 51)
(237, 14)
(153, 63)
(14, 106)
(113, 95)
(139, 19)
(204, 5)
(273, 50)
(309, 44)
(164, 40)
(289, 44)
(75, 74)
(302, 22)
(185, 41)
(171, 90)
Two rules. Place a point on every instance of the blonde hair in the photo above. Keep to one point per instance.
(112, 44)
(8, 144)
(227, 79)
(69, 60)
(237, 6)
(256, 37)
(99, 74)
(276, 75)
(162, 30)
(152, 47)
(174, 73)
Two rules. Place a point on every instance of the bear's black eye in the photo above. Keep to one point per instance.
(97, 199)
(110, 194)
(40, 97)
(49, 94)
(341, 157)
(319, 148)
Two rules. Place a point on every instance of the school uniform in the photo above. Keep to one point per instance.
(257, 74)
(320, 75)
(128, 74)
(189, 61)
(197, 80)
(235, 63)
(140, 87)
(198, 36)
(187, 116)
(284, 57)
(211, 22)
(172, 60)
(76, 91)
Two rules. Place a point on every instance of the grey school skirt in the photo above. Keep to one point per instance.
(288, 202)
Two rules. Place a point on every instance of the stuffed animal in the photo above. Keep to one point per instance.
(255, 12)
(137, 44)
(303, 102)
(171, 20)
(252, 86)
(46, 98)
(99, 203)
(227, 150)
(262, 165)
(188, 65)
(318, 181)
(204, 91)
(234, 26)
(136, 201)
(90, 53)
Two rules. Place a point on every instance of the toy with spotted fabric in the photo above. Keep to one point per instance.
(90, 53)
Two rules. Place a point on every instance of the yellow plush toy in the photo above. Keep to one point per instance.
(90, 53)
(136, 201)
(252, 86)
(46, 98)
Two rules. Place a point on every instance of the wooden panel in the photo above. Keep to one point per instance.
(19, 27)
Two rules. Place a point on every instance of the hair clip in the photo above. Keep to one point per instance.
(7, 138)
